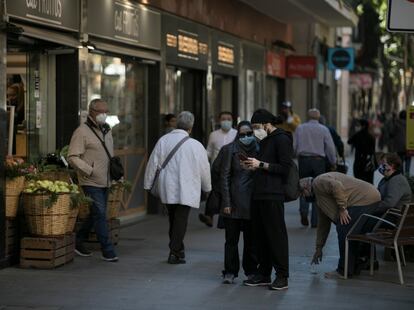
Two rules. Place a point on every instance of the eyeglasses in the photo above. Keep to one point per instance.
(247, 134)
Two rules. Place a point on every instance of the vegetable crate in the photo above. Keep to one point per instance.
(47, 253)
(12, 241)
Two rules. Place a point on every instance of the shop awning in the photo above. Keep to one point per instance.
(117, 48)
(49, 35)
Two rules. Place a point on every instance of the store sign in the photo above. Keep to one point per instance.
(62, 14)
(359, 81)
(400, 16)
(301, 67)
(225, 53)
(341, 59)
(125, 21)
(185, 42)
(276, 65)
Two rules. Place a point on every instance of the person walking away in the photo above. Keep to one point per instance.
(341, 199)
(217, 139)
(88, 157)
(312, 144)
(290, 120)
(271, 169)
(339, 145)
(364, 144)
(237, 189)
(399, 136)
(181, 182)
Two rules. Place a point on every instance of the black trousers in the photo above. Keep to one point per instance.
(270, 233)
(233, 228)
(178, 218)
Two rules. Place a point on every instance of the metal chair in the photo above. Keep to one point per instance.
(399, 234)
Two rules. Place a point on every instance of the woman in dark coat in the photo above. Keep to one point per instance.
(236, 191)
(364, 144)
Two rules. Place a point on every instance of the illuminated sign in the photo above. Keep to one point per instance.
(225, 55)
(187, 44)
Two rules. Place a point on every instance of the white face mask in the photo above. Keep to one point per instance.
(101, 118)
(260, 133)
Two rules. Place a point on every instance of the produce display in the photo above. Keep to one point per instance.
(42, 186)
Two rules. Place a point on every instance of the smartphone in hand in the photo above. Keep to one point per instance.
(243, 157)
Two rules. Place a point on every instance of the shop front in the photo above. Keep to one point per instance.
(123, 69)
(225, 58)
(185, 47)
(253, 79)
(275, 81)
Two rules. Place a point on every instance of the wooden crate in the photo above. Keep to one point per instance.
(12, 237)
(47, 253)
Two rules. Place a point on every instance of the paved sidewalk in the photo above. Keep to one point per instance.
(143, 280)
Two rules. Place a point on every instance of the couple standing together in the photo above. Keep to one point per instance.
(251, 188)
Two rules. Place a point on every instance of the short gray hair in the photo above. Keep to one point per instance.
(94, 103)
(185, 120)
(314, 114)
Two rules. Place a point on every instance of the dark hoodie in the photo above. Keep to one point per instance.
(277, 150)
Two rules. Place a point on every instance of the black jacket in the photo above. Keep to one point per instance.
(236, 183)
(277, 150)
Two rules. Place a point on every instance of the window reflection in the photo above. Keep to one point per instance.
(121, 83)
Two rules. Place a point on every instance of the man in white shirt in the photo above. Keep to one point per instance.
(181, 181)
(218, 138)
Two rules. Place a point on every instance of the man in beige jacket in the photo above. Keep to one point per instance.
(341, 199)
(88, 156)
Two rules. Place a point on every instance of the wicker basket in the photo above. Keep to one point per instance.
(43, 220)
(55, 176)
(14, 187)
(114, 202)
(70, 226)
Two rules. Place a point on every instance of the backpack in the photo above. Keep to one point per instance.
(291, 187)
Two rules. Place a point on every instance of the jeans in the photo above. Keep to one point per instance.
(96, 219)
(310, 166)
(231, 248)
(342, 231)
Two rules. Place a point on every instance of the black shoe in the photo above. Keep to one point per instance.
(175, 260)
(257, 280)
(181, 254)
(109, 257)
(82, 251)
(304, 220)
(279, 284)
(208, 220)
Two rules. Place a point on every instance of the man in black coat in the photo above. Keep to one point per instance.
(272, 167)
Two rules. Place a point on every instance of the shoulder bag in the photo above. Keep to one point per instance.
(116, 170)
(154, 188)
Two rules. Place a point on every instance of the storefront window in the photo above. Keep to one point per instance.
(121, 83)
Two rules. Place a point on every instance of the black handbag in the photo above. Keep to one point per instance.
(116, 170)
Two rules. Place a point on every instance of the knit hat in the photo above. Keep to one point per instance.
(262, 116)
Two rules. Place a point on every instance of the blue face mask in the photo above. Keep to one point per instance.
(226, 125)
(247, 140)
(382, 169)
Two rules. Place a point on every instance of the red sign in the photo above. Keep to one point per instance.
(276, 65)
(301, 67)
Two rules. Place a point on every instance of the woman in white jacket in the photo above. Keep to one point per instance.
(181, 181)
